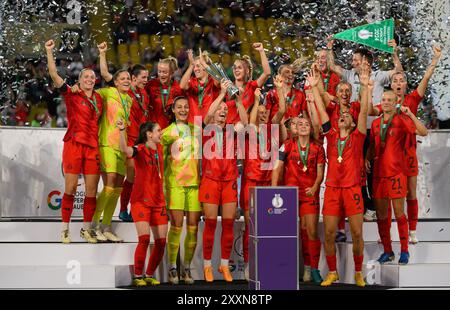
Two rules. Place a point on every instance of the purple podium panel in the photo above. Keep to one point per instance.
(273, 245)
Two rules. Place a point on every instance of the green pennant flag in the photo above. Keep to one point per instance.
(375, 35)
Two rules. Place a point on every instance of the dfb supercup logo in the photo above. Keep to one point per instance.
(54, 200)
(277, 201)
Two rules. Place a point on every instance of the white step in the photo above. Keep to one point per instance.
(72, 276)
(426, 231)
(51, 231)
(433, 254)
(416, 275)
(54, 254)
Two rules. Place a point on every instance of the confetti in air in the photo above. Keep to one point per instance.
(143, 32)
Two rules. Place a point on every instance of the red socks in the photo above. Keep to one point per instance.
(208, 238)
(89, 208)
(125, 195)
(358, 259)
(305, 247)
(245, 243)
(331, 262)
(384, 229)
(413, 213)
(140, 253)
(66, 207)
(156, 256)
(227, 238)
(314, 252)
(402, 225)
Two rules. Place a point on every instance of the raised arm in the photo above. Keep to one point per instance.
(330, 58)
(213, 107)
(314, 118)
(421, 130)
(362, 117)
(424, 83)
(326, 97)
(57, 80)
(278, 81)
(184, 82)
(265, 64)
(254, 111)
(123, 143)
(397, 64)
(243, 116)
(102, 47)
(313, 80)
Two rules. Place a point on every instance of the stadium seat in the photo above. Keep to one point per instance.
(226, 14)
(155, 41)
(134, 53)
(144, 42)
(170, 4)
(123, 54)
(239, 22)
(167, 45)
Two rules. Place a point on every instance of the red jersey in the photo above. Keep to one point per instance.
(220, 166)
(334, 112)
(148, 183)
(210, 92)
(83, 114)
(258, 166)
(412, 101)
(138, 111)
(161, 98)
(294, 174)
(389, 159)
(295, 103)
(347, 172)
(330, 82)
(248, 98)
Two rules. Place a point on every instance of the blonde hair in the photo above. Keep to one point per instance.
(301, 64)
(248, 62)
(280, 68)
(171, 61)
(205, 55)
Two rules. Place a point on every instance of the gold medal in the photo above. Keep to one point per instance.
(340, 159)
(305, 168)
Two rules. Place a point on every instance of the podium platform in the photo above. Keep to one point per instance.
(32, 257)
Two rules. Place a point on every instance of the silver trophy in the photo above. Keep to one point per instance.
(218, 73)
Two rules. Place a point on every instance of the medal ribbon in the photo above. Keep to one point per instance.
(341, 145)
(384, 128)
(163, 96)
(124, 106)
(140, 99)
(93, 103)
(201, 93)
(303, 154)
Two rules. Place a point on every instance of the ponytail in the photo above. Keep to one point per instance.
(172, 62)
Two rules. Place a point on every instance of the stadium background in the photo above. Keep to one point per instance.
(145, 31)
